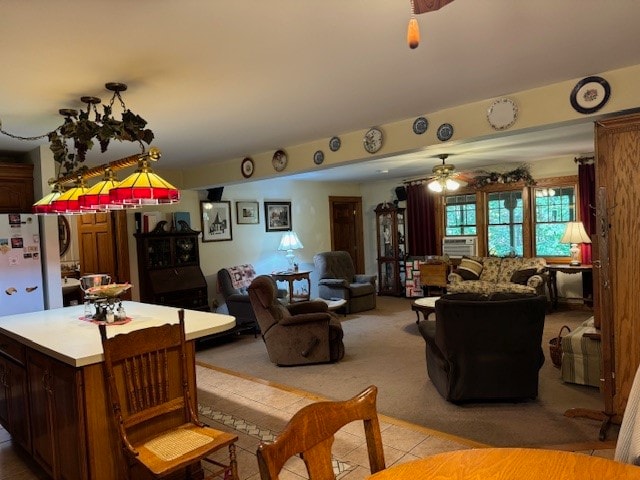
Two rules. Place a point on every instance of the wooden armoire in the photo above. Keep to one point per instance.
(617, 256)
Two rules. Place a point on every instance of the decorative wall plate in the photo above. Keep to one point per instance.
(502, 114)
(420, 125)
(318, 157)
(247, 167)
(372, 140)
(279, 160)
(445, 132)
(590, 94)
(334, 144)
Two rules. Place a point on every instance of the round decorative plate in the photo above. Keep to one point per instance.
(247, 167)
(334, 144)
(372, 140)
(420, 125)
(279, 160)
(502, 114)
(445, 132)
(590, 94)
(318, 157)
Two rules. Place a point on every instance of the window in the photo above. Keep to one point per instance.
(460, 215)
(554, 207)
(504, 223)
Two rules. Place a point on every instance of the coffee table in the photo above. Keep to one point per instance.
(426, 305)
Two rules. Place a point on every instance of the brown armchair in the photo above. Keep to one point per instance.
(296, 334)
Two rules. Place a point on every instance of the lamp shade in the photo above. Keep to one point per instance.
(97, 197)
(143, 187)
(575, 233)
(45, 204)
(68, 203)
(290, 241)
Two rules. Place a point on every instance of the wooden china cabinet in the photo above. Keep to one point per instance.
(169, 268)
(390, 235)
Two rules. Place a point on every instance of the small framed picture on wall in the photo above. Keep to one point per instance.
(247, 213)
(277, 216)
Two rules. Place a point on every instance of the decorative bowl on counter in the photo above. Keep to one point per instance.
(111, 290)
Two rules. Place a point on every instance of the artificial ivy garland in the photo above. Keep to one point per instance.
(520, 174)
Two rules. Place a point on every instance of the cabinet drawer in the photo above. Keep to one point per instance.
(12, 348)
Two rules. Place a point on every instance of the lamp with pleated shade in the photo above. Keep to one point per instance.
(575, 234)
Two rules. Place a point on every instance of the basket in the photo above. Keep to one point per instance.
(555, 347)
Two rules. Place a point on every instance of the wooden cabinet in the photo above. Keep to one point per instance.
(14, 410)
(57, 417)
(390, 235)
(16, 187)
(616, 260)
(169, 269)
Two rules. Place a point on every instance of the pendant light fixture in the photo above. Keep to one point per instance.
(143, 187)
(45, 204)
(68, 203)
(97, 197)
(413, 30)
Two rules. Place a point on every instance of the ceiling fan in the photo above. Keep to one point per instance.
(445, 178)
(424, 6)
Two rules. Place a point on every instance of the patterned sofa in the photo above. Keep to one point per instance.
(508, 274)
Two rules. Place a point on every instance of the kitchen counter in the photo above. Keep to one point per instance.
(55, 400)
(60, 333)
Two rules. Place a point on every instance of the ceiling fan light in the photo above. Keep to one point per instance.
(413, 33)
(451, 184)
(435, 186)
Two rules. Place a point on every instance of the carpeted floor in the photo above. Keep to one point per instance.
(383, 347)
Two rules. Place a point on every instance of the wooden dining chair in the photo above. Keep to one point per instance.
(310, 434)
(147, 380)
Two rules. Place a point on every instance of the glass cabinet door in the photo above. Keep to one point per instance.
(158, 252)
(186, 250)
(386, 241)
(388, 276)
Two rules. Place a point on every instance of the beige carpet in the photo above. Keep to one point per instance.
(383, 347)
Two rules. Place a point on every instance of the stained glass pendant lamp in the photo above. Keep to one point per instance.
(143, 187)
(97, 197)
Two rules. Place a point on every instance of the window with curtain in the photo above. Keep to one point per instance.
(460, 215)
(504, 223)
(554, 207)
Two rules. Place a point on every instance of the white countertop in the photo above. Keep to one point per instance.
(61, 334)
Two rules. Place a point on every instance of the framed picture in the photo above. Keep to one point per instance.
(277, 216)
(247, 213)
(216, 221)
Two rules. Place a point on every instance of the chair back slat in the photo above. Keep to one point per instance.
(311, 432)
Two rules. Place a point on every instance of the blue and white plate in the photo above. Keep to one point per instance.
(445, 132)
(334, 144)
(420, 125)
(318, 157)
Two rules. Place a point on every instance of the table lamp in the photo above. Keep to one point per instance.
(575, 234)
(290, 242)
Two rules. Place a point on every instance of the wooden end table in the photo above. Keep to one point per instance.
(426, 305)
(291, 277)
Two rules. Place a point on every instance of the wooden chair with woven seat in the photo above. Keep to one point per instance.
(310, 434)
(148, 385)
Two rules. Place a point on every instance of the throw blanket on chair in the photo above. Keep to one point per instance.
(241, 276)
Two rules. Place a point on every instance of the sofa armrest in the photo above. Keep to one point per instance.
(361, 278)
(320, 317)
(333, 282)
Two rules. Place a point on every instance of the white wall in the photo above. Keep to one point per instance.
(251, 243)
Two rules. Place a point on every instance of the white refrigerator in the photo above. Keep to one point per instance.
(21, 288)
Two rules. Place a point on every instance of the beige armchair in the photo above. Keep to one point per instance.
(296, 334)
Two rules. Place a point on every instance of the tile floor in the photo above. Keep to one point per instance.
(256, 410)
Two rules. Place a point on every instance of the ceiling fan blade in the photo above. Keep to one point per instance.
(425, 6)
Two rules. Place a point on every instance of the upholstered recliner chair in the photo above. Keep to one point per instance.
(233, 283)
(480, 348)
(338, 280)
(296, 334)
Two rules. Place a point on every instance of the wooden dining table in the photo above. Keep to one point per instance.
(510, 464)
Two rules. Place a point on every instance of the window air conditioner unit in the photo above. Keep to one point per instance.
(459, 246)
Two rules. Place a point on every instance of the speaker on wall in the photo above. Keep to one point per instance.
(401, 194)
(215, 194)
